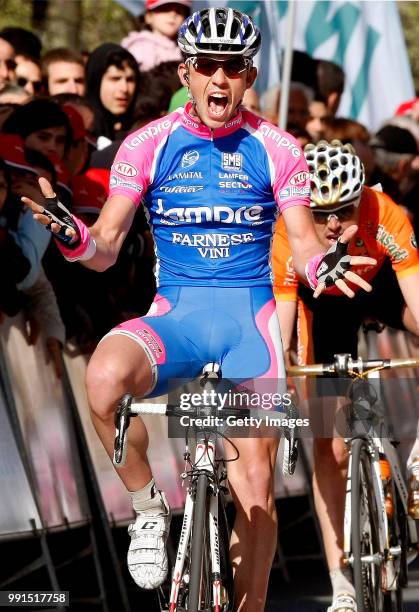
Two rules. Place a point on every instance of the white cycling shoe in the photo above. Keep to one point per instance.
(147, 556)
(343, 603)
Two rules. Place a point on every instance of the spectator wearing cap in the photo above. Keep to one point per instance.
(90, 192)
(394, 150)
(11, 299)
(64, 72)
(83, 107)
(24, 177)
(28, 74)
(24, 284)
(155, 40)
(7, 63)
(77, 154)
(43, 126)
(113, 81)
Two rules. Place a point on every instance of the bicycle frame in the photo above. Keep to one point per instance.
(205, 462)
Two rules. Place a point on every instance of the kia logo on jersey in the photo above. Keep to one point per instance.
(125, 169)
(189, 158)
(231, 161)
(299, 178)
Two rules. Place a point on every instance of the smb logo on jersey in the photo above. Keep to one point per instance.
(189, 159)
(232, 161)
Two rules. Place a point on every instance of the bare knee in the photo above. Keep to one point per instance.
(106, 382)
(330, 452)
(253, 485)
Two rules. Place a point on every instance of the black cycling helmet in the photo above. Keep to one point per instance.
(218, 31)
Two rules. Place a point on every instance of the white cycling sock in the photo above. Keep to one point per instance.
(342, 581)
(147, 498)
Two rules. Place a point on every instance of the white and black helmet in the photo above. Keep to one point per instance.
(336, 175)
(219, 31)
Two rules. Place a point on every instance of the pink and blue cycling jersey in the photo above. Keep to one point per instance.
(212, 195)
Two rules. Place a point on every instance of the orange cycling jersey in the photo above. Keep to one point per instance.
(384, 232)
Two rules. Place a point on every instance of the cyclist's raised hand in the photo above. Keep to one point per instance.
(54, 215)
(336, 266)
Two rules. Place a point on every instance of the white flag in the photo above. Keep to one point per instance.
(365, 38)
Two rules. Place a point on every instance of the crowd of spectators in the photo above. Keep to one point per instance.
(63, 116)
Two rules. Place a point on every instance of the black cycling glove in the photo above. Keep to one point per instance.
(334, 264)
(58, 213)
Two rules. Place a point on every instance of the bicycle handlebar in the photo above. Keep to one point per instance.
(140, 408)
(345, 365)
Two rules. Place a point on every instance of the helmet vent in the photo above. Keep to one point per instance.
(344, 177)
(334, 164)
(206, 26)
(344, 160)
(192, 29)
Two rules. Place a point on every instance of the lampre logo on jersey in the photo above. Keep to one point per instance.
(249, 215)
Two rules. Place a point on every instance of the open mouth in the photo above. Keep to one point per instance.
(332, 237)
(217, 104)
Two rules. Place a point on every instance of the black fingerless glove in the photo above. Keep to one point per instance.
(334, 264)
(58, 213)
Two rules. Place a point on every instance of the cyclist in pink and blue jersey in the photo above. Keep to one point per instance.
(213, 178)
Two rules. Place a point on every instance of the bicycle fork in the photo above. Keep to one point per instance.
(387, 554)
(204, 464)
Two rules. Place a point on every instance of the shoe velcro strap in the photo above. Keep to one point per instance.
(140, 557)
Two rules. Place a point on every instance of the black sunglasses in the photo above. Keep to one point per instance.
(231, 67)
(37, 85)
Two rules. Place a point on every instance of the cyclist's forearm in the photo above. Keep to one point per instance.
(302, 237)
(409, 287)
(108, 233)
(287, 312)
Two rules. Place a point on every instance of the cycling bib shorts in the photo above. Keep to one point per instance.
(188, 327)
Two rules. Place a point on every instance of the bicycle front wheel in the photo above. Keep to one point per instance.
(199, 597)
(365, 535)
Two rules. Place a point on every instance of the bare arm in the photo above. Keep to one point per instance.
(287, 313)
(409, 287)
(302, 236)
(109, 231)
